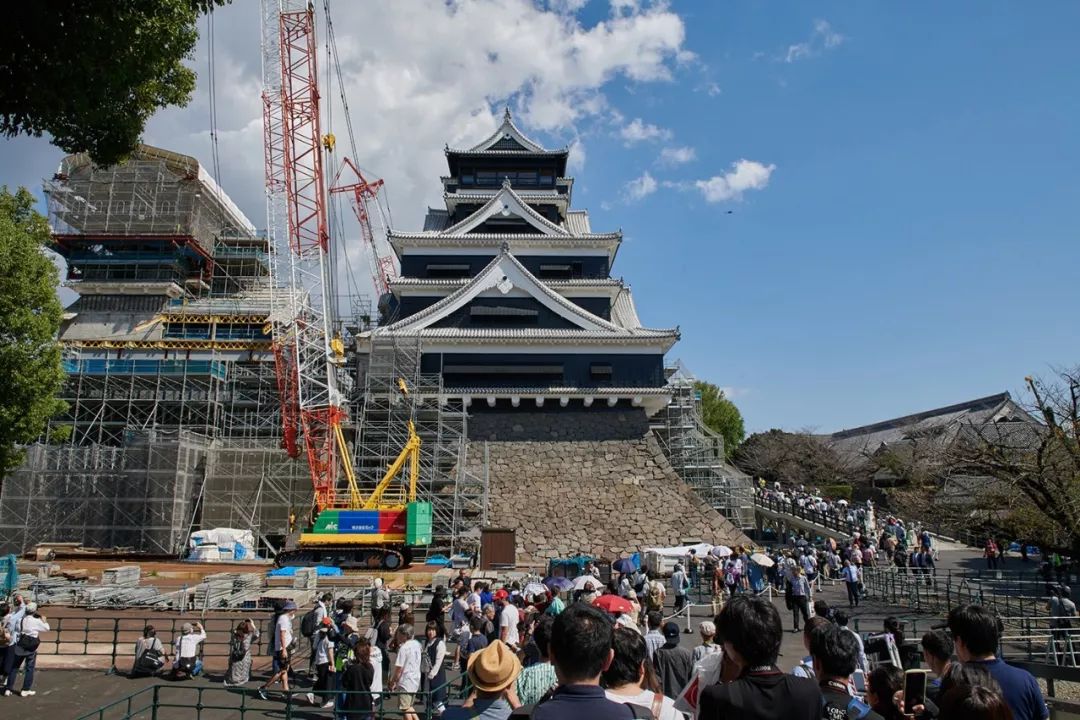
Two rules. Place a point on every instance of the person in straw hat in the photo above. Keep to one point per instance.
(492, 673)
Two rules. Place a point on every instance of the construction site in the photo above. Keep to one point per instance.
(224, 376)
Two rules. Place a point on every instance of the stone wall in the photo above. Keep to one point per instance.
(592, 481)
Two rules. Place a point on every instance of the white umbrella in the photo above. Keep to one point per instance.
(721, 551)
(533, 589)
(582, 580)
(762, 559)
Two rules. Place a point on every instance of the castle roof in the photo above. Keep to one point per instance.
(507, 139)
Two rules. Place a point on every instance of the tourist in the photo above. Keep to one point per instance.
(976, 632)
(476, 641)
(491, 627)
(707, 630)
(580, 649)
(382, 637)
(1062, 617)
(717, 590)
(679, 587)
(674, 664)
(406, 677)
(635, 606)
(492, 674)
(556, 605)
(317, 615)
(282, 646)
(23, 651)
(800, 597)
(882, 684)
(487, 597)
(885, 646)
(13, 615)
(405, 614)
(654, 638)
(150, 655)
(851, 577)
(805, 668)
(834, 652)
(459, 609)
(433, 667)
(508, 621)
(5, 640)
(239, 671)
(357, 681)
(473, 599)
(323, 659)
(629, 678)
(750, 632)
(655, 593)
(990, 552)
(693, 565)
(937, 650)
(977, 703)
(380, 599)
(840, 617)
(538, 679)
(436, 612)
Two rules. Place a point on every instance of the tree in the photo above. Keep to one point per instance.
(791, 459)
(720, 415)
(29, 320)
(1040, 461)
(90, 73)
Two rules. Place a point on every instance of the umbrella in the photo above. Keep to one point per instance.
(762, 559)
(613, 604)
(801, 543)
(582, 580)
(533, 589)
(559, 583)
(720, 551)
(624, 565)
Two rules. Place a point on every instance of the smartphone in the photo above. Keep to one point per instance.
(858, 679)
(914, 689)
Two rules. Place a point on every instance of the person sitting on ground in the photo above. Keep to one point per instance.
(805, 668)
(750, 632)
(150, 655)
(580, 649)
(654, 638)
(707, 629)
(674, 664)
(630, 679)
(976, 633)
(834, 653)
(492, 674)
(188, 663)
(539, 678)
(938, 654)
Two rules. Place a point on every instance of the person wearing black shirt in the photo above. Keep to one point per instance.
(835, 653)
(750, 631)
(674, 664)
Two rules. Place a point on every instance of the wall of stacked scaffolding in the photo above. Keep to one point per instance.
(172, 420)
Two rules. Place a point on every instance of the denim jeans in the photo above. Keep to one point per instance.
(12, 668)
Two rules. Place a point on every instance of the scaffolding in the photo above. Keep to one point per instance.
(697, 453)
(458, 497)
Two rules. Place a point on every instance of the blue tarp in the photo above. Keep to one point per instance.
(440, 560)
(320, 570)
(1031, 549)
(9, 575)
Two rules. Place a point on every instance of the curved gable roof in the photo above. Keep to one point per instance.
(507, 130)
(506, 202)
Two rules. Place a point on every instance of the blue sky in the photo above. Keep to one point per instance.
(904, 236)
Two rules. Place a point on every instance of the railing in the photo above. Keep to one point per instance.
(114, 638)
(928, 591)
(812, 515)
(242, 703)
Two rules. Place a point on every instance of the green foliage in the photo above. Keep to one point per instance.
(29, 320)
(791, 459)
(90, 73)
(838, 491)
(720, 415)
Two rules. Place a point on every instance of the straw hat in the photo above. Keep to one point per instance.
(494, 668)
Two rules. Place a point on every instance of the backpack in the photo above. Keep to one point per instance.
(150, 661)
(655, 598)
(5, 637)
(308, 623)
(236, 649)
(26, 642)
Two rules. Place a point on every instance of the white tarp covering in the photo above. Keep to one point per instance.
(682, 551)
(221, 544)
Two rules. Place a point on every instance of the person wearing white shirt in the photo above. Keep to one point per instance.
(187, 661)
(625, 677)
(406, 676)
(30, 624)
(508, 620)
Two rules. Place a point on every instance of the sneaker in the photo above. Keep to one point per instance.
(262, 694)
(27, 693)
(8, 693)
(328, 704)
(311, 698)
(225, 683)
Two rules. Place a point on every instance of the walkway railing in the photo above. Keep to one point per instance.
(811, 515)
(928, 591)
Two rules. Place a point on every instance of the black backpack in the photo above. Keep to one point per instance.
(308, 623)
(236, 649)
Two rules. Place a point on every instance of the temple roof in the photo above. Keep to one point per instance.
(508, 139)
(506, 202)
(505, 274)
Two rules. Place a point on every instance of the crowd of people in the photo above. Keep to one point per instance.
(19, 641)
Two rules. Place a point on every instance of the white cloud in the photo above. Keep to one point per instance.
(576, 162)
(822, 38)
(640, 187)
(677, 155)
(638, 131)
(712, 89)
(744, 175)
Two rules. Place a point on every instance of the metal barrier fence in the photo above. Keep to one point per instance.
(935, 592)
(114, 637)
(826, 520)
(199, 702)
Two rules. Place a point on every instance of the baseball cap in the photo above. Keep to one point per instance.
(501, 594)
(671, 630)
